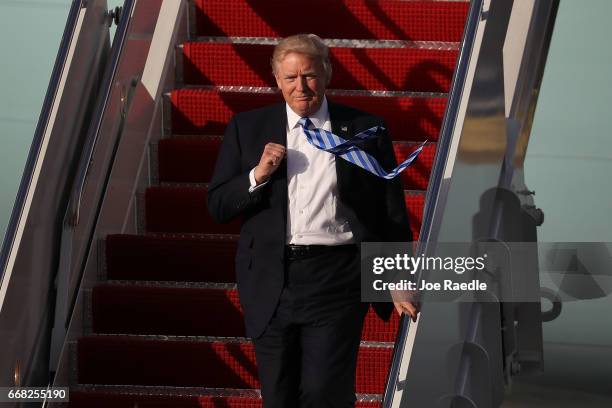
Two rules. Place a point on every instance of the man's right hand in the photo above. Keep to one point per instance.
(271, 158)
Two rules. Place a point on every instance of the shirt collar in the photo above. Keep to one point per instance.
(318, 118)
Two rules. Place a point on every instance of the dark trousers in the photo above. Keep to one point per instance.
(307, 355)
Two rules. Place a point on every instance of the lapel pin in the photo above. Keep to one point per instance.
(344, 128)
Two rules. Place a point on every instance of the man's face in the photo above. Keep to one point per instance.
(302, 81)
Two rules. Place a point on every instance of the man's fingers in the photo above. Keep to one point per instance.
(411, 310)
(399, 309)
(275, 148)
(275, 145)
(274, 159)
(271, 158)
(274, 153)
(408, 308)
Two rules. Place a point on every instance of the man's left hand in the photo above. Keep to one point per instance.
(406, 302)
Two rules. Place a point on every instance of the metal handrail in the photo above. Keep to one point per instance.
(71, 218)
(435, 180)
(41, 127)
(92, 138)
(450, 116)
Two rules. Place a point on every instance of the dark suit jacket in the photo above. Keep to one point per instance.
(375, 207)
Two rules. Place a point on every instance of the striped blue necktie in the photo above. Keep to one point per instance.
(349, 150)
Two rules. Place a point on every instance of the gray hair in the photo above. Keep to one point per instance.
(310, 45)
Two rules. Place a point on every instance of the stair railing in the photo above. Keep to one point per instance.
(45, 121)
(83, 208)
(117, 170)
(29, 257)
(456, 93)
(464, 354)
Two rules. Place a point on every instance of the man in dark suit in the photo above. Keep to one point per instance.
(304, 212)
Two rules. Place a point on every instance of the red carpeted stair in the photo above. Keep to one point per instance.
(353, 19)
(207, 111)
(387, 69)
(167, 327)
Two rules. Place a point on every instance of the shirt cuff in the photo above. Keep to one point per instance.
(254, 186)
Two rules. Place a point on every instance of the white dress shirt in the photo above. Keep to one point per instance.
(313, 213)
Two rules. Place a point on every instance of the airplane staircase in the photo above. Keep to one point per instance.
(166, 324)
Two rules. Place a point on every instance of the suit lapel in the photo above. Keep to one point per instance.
(342, 127)
(278, 123)
(278, 134)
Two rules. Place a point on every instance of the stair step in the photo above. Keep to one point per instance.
(188, 159)
(171, 257)
(335, 42)
(174, 308)
(184, 209)
(93, 399)
(388, 69)
(360, 19)
(100, 396)
(211, 363)
(208, 111)
(415, 202)
(133, 309)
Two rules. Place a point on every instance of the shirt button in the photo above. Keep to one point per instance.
(301, 211)
(299, 236)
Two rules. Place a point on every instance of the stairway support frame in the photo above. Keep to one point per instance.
(489, 140)
(121, 163)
